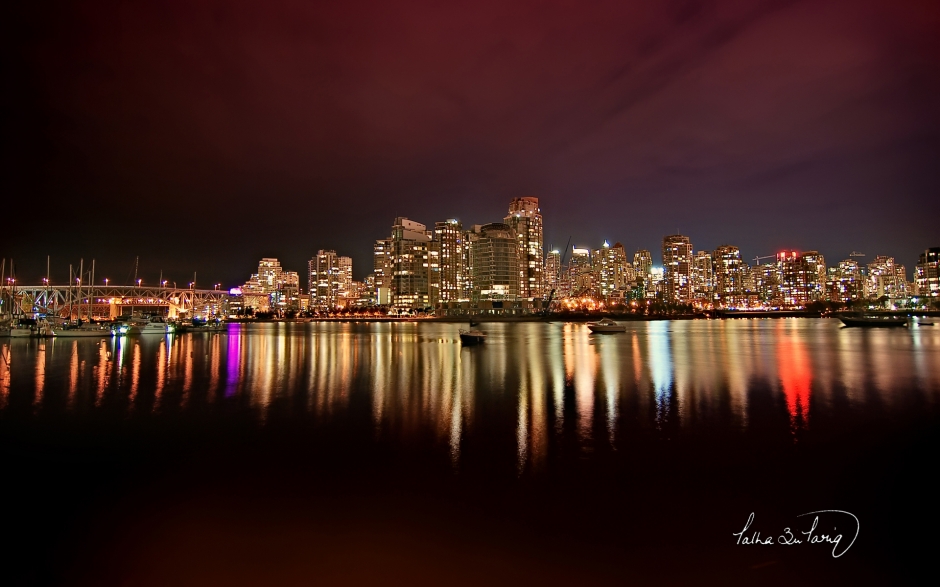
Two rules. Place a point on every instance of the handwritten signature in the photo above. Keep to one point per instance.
(814, 535)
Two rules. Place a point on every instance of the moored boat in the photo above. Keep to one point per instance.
(874, 321)
(472, 336)
(606, 325)
(83, 330)
(147, 325)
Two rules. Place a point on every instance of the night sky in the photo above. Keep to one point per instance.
(202, 136)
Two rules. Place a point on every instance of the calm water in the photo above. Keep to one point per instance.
(602, 436)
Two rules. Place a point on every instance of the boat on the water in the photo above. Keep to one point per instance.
(472, 336)
(147, 325)
(874, 321)
(83, 330)
(606, 325)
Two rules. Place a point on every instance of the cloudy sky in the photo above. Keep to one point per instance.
(201, 136)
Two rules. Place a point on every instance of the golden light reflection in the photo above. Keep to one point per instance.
(417, 380)
(4, 375)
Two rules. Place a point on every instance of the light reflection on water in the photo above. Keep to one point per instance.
(539, 380)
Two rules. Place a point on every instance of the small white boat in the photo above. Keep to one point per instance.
(84, 330)
(147, 325)
(606, 325)
(472, 336)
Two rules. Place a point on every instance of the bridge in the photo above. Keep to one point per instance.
(111, 301)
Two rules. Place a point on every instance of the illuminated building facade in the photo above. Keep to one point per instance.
(703, 280)
(847, 284)
(580, 272)
(677, 269)
(525, 221)
(927, 273)
(801, 278)
(271, 288)
(408, 260)
(886, 278)
(730, 275)
(551, 276)
(451, 271)
(495, 265)
(330, 280)
(612, 271)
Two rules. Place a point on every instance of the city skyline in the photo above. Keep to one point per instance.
(198, 138)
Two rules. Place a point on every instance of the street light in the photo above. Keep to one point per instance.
(106, 282)
(164, 283)
(139, 281)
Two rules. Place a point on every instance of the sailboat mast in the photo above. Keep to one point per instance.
(70, 292)
(91, 291)
(81, 273)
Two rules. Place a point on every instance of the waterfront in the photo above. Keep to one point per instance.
(352, 451)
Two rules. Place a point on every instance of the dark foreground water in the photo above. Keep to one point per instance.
(360, 453)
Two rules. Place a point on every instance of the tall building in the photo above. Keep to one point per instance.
(643, 268)
(329, 279)
(551, 276)
(677, 269)
(703, 279)
(271, 288)
(580, 272)
(382, 271)
(612, 270)
(495, 265)
(927, 273)
(410, 247)
(848, 283)
(449, 240)
(730, 273)
(801, 277)
(525, 221)
(886, 278)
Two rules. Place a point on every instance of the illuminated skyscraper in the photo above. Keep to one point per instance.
(330, 279)
(495, 266)
(552, 274)
(580, 272)
(927, 273)
(525, 220)
(677, 269)
(730, 273)
(449, 245)
(612, 270)
(848, 283)
(409, 257)
(886, 278)
(801, 277)
(382, 271)
(703, 279)
(642, 269)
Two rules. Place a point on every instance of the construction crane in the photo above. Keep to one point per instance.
(757, 259)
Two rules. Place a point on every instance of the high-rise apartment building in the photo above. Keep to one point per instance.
(886, 278)
(847, 283)
(612, 271)
(580, 272)
(271, 288)
(703, 279)
(730, 273)
(801, 277)
(451, 274)
(677, 269)
(551, 276)
(495, 265)
(410, 263)
(927, 273)
(329, 279)
(525, 221)
(642, 268)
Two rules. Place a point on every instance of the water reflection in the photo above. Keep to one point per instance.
(529, 386)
